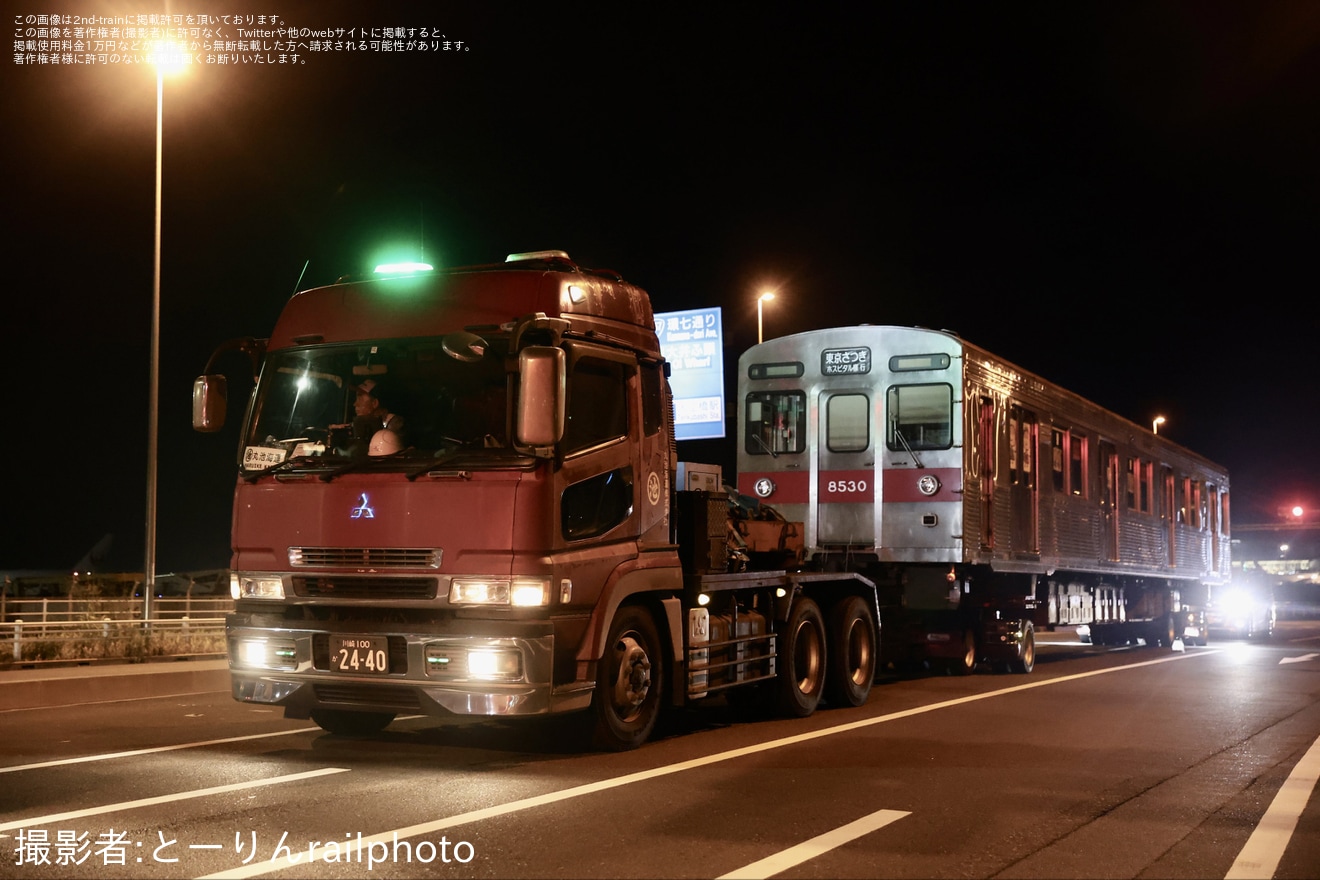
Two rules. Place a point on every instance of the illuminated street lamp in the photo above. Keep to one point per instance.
(760, 314)
(167, 57)
(1155, 425)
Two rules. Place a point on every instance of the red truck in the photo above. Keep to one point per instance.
(520, 546)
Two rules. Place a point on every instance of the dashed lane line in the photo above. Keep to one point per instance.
(810, 849)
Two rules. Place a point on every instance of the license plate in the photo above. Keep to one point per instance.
(360, 655)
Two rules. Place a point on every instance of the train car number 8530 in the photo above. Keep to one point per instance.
(835, 487)
(359, 654)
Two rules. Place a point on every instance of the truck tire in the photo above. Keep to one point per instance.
(1162, 633)
(852, 653)
(801, 679)
(629, 679)
(344, 723)
(1025, 661)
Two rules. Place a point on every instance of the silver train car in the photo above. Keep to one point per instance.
(984, 500)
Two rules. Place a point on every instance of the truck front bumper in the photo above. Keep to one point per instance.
(505, 668)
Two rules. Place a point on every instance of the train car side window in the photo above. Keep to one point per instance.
(920, 417)
(1058, 457)
(847, 423)
(1077, 466)
(776, 422)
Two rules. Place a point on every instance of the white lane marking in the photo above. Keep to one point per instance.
(166, 798)
(136, 752)
(353, 850)
(108, 702)
(1260, 857)
(1301, 659)
(809, 849)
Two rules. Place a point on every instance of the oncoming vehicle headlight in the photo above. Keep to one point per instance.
(256, 586)
(518, 591)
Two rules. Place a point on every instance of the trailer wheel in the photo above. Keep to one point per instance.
(628, 682)
(802, 660)
(1162, 633)
(344, 723)
(852, 651)
(1025, 661)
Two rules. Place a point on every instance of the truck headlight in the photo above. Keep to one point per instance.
(255, 586)
(518, 591)
(263, 654)
(494, 664)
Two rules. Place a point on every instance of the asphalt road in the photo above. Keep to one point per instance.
(1102, 763)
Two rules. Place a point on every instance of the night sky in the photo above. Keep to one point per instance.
(1122, 198)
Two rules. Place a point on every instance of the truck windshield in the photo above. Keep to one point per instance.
(397, 399)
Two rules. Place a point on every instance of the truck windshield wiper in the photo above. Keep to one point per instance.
(301, 462)
(441, 460)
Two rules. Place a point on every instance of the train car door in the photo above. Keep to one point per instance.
(1109, 461)
(1022, 477)
(845, 469)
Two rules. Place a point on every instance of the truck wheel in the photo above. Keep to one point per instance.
(344, 723)
(1025, 661)
(628, 682)
(1162, 633)
(966, 664)
(852, 649)
(802, 660)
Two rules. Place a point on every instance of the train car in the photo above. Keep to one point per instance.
(984, 500)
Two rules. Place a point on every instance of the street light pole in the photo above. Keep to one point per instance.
(153, 399)
(167, 57)
(1155, 425)
(760, 315)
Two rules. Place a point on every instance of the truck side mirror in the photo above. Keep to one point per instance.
(208, 403)
(541, 397)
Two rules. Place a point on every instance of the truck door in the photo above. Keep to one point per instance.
(845, 469)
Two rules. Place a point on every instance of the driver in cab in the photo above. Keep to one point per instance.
(377, 429)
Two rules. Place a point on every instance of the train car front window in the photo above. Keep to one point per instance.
(920, 417)
(776, 422)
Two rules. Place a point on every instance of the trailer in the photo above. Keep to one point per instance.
(457, 496)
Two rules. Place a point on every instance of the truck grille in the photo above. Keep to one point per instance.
(328, 586)
(365, 557)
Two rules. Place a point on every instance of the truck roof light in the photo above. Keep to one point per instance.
(402, 268)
